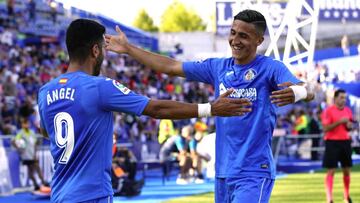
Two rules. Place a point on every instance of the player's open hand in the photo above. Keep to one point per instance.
(117, 43)
(283, 97)
(225, 106)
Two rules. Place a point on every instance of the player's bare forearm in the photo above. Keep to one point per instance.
(291, 94)
(156, 62)
(120, 44)
(223, 106)
(166, 109)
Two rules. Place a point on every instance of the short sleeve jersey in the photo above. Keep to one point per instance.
(243, 143)
(76, 112)
(333, 114)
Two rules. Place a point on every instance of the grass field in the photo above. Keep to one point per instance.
(299, 188)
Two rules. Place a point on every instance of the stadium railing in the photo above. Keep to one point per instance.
(304, 147)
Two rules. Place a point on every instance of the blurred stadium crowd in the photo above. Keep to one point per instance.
(25, 67)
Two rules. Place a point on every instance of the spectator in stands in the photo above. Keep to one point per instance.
(8, 115)
(184, 145)
(80, 104)
(315, 129)
(123, 172)
(337, 121)
(196, 156)
(32, 10)
(10, 8)
(26, 109)
(243, 152)
(9, 87)
(53, 11)
(26, 144)
(166, 130)
(301, 122)
(125, 159)
(301, 127)
(345, 45)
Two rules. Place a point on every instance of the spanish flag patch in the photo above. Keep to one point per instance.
(63, 80)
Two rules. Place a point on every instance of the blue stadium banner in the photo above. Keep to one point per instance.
(224, 17)
(330, 10)
(225, 11)
(339, 9)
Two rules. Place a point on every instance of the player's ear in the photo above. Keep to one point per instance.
(95, 50)
(260, 40)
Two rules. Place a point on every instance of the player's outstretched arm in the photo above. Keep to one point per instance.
(120, 44)
(291, 94)
(223, 106)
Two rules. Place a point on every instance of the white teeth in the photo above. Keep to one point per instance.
(236, 47)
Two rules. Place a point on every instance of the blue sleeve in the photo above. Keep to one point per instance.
(116, 97)
(201, 71)
(280, 74)
(179, 142)
(192, 144)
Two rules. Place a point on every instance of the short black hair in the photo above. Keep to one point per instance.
(253, 17)
(338, 92)
(81, 36)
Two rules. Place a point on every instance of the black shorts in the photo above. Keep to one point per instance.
(29, 162)
(337, 151)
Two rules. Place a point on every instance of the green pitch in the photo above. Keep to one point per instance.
(298, 188)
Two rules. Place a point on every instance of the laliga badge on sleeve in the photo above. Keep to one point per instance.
(121, 87)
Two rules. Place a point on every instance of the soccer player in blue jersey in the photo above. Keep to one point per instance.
(245, 170)
(76, 114)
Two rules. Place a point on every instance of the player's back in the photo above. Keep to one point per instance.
(80, 134)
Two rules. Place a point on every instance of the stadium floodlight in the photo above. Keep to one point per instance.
(286, 19)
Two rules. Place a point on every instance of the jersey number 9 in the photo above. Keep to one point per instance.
(64, 135)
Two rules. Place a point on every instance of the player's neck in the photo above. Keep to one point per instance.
(84, 67)
(340, 107)
(246, 61)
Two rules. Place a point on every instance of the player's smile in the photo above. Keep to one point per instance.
(237, 50)
(243, 40)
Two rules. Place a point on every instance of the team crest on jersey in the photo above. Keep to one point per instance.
(249, 75)
(121, 87)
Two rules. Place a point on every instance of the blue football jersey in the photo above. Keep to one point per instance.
(76, 111)
(243, 143)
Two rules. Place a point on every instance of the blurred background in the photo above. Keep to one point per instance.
(319, 41)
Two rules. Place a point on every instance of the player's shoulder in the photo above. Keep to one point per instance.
(348, 109)
(271, 61)
(215, 61)
(331, 108)
(46, 85)
(227, 60)
(112, 85)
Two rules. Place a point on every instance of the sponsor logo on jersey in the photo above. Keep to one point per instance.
(121, 87)
(249, 74)
(63, 80)
(249, 93)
